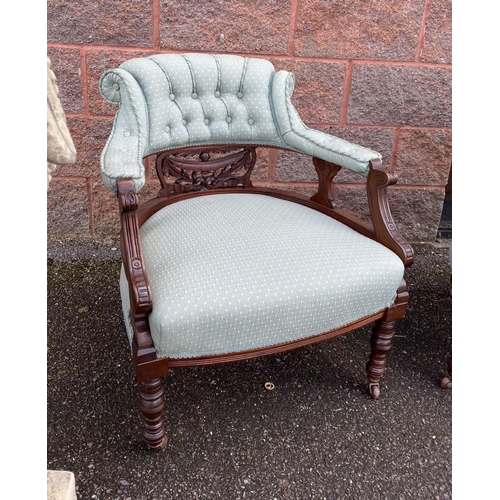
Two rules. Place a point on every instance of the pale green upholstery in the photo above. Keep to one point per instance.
(231, 272)
(172, 100)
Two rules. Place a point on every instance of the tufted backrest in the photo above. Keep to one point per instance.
(169, 101)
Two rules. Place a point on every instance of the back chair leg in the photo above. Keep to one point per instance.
(381, 344)
(152, 404)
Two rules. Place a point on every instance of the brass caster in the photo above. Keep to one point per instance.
(374, 390)
(446, 382)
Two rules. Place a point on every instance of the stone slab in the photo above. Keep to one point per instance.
(60, 485)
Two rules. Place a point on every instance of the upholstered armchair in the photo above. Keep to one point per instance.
(216, 270)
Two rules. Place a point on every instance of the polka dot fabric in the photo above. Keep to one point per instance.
(231, 272)
(168, 101)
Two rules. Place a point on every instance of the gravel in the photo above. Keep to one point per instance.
(316, 435)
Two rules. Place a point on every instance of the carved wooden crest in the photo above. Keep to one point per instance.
(202, 169)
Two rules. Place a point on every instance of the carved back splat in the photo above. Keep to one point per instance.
(195, 170)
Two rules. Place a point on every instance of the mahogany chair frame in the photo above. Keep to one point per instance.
(190, 172)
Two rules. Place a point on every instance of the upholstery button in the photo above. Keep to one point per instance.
(184, 122)
(171, 97)
(240, 95)
(116, 86)
(207, 121)
(167, 129)
(250, 122)
(217, 93)
(126, 134)
(194, 95)
(229, 119)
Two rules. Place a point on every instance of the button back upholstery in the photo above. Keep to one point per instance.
(171, 100)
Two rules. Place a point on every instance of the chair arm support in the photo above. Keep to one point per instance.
(385, 228)
(141, 303)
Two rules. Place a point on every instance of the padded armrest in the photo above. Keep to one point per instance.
(310, 141)
(122, 156)
(332, 149)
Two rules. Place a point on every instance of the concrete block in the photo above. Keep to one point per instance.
(128, 22)
(438, 33)
(319, 88)
(400, 95)
(66, 66)
(385, 30)
(67, 207)
(423, 157)
(241, 26)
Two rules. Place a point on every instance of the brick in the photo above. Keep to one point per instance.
(417, 212)
(319, 88)
(291, 166)
(400, 95)
(423, 157)
(438, 34)
(98, 61)
(67, 208)
(89, 137)
(127, 22)
(66, 66)
(253, 26)
(385, 29)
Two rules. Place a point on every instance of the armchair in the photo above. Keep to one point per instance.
(216, 270)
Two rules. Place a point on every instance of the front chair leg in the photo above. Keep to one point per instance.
(152, 404)
(381, 344)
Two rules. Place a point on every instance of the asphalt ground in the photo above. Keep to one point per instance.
(316, 435)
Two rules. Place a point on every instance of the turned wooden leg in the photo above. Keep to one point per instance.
(152, 404)
(381, 344)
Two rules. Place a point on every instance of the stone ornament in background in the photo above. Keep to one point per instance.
(60, 151)
(60, 147)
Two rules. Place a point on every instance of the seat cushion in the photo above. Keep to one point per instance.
(234, 272)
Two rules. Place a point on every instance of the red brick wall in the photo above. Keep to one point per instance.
(374, 72)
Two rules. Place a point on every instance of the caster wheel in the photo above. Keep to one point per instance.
(374, 390)
(446, 383)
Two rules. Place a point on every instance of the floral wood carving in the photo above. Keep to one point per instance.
(194, 169)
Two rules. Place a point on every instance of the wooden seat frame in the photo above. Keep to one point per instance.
(188, 172)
